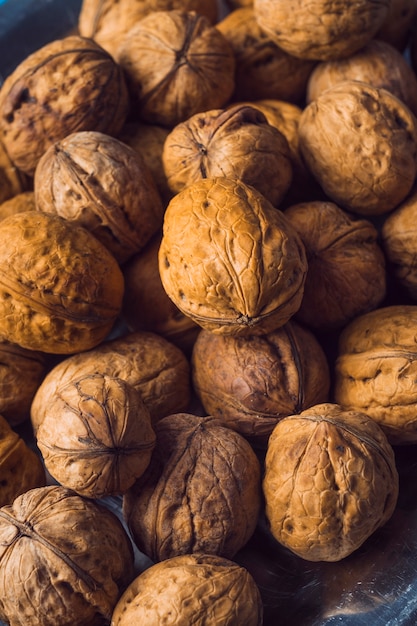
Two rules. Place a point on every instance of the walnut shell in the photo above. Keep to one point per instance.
(68, 85)
(96, 437)
(187, 586)
(229, 259)
(23, 201)
(99, 182)
(153, 365)
(63, 559)
(253, 382)
(263, 70)
(21, 373)
(330, 481)
(360, 143)
(200, 493)
(319, 29)
(21, 468)
(378, 63)
(236, 143)
(108, 22)
(375, 369)
(60, 289)
(177, 64)
(346, 265)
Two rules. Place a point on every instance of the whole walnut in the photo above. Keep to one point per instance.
(61, 290)
(23, 201)
(97, 181)
(177, 64)
(203, 587)
(200, 493)
(263, 70)
(96, 437)
(319, 29)
(330, 481)
(21, 373)
(398, 238)
(236, 143)
(109, 21)
(375, 369)
(68, 85)
(229, 259)
(64, 559)
(346, 265)
(252, 382)
(378, 64)
(154, 366)
(146, 305)
(360, 143)
(21, 467)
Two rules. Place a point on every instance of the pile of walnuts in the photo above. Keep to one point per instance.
(208, 301)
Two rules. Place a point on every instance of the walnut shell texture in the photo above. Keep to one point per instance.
(360, 143)
(236, 143)
(99, 182)
(23, 201)
(202, 587)
(200, 493)
(68, 85)
(62, 558)
(96, 437)
(61, 290)
(150, 363)
(321, 29)
(252, 382)
(229, 259)
(177, 64)
(376, 367)
(330, 481)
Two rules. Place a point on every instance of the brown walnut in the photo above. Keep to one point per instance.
(187, 586)
(63, 559)
(236, 143)
(252, 382)
(97, 181)
(96, 437)
(200, 493)
(68, 85)
(23, 201)
(330, 481)
(61, 290)
(229, 259)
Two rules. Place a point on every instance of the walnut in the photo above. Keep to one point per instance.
(96, 437)
(146, 305)
(200, 493)
(229, 259)
(375, 369)
(330, 481)
(21, 468)
(17, 365)
(187, 586)
(263, 70)
(177, 64)
(378, 64)
(399, 236)
(63, 559)
(23, 201)
(12, 180)
(346, 265)
(68, 85)
(360, 143)
(60, 289)
(253, 382)
(236, 143)
(99, 182)
(108, 22)
(319, 29)
(150, 363)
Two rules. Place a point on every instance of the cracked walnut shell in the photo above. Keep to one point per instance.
(330, 481)
(229, 259)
